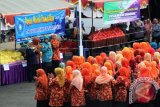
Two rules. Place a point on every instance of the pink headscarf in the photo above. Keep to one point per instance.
(104, 77)
(77, 80)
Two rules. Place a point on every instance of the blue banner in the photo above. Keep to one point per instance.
(31, 25)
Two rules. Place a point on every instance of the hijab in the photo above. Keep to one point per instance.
(77, 80)
(104, 77)
(60, 74)
(42, 78)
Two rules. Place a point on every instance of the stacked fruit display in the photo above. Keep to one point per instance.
(106, 33)
(8, 56)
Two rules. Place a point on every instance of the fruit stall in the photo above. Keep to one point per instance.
(12, 67)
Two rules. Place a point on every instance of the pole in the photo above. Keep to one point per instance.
(149, 15)
(80, 30)
(92, 15)
(15, 45)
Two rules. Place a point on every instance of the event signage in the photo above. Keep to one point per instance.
(30, 25)
(121, 11)
(143, 90)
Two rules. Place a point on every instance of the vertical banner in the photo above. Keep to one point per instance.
(30, 25)
(121, 11)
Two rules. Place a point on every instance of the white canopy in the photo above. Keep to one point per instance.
(31, 6)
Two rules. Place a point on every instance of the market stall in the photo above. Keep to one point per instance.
(14, 71)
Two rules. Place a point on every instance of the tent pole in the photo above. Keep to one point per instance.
(92, 14)
(80, 30)
(149, 15)
(15, 45)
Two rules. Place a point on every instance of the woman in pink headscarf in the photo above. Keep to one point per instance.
(103, 86)
(77, 92)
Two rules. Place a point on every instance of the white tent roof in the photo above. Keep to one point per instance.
(31, 6)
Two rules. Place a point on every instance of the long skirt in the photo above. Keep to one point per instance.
(105, 104)
(44, 103)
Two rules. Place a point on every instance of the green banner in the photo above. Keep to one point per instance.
(121, 11)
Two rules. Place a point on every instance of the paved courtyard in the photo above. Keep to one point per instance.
(17, 95)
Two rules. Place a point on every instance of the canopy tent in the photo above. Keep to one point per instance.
(99, 4)
(10, 8)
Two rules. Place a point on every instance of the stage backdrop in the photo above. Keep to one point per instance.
(121, 11)
(38, 24)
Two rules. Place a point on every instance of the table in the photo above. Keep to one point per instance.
(16, 74)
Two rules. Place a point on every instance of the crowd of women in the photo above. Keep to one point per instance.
(101, 81)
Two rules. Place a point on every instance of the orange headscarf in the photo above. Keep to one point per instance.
(136, 45)
(89, 59)
(125, 63)
(70, 63)
(144, 72)
(103, 55)
(86, 74)
(69, 74)
(145, 46)
(42, 78)
(123, 71)
(99, 60)
(110, 67)
(86, 65)
(154, 70)
(127, 53)
(95, 70)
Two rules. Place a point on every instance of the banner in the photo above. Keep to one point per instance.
(31, 25)
(121, 11)
(144, 3)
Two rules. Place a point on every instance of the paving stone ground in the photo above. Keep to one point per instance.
(17, 95)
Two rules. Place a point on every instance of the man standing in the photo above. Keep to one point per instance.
(47, 55)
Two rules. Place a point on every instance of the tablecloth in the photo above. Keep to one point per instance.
(16, 74)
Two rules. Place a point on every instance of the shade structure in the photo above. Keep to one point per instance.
(11, 8)
(8, 7)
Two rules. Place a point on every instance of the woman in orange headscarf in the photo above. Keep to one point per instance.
(68, 79)
(120, 87)
(56, 53)
(99, 60)
(70, 63)
(41, 88)
(136, 45)
(103, 86)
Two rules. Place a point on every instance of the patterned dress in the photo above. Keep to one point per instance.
(120, 92)
(57, 94)
(77, 97)
(93, 91)
(104, 92)
(55, 48)
(67, 91)
(41, 93)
